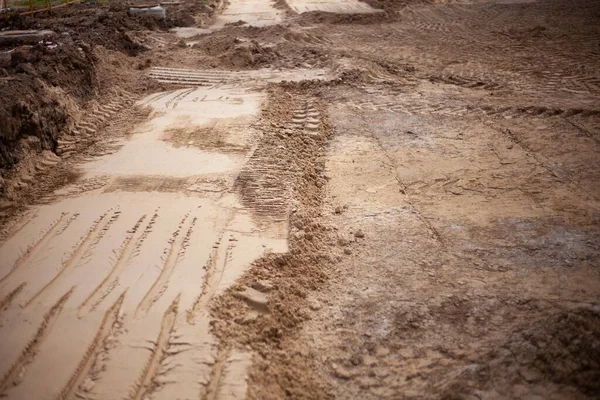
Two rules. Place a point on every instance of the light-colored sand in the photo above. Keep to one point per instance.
(117, 280)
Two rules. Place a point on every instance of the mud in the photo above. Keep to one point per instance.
(303, 200)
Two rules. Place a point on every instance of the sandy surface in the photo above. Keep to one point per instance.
(121, 276)
(392, 200)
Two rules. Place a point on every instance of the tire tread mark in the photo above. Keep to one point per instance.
(125, 254)
(174, 254)
(14, 375)
(85, 365)
(214, 383)
(158, 353)
(214, 274)
(7, 300)
(28, 254)
(82, 250)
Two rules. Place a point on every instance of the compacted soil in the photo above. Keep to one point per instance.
(302, 200)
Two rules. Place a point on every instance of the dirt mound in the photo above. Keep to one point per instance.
(231, 51)
(109, 25)
(31, 104)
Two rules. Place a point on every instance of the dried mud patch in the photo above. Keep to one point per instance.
(559, 352)
(286, 279)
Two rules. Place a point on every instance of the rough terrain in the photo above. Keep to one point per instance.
(304, 200)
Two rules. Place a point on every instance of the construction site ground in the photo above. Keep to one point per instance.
(329, 199)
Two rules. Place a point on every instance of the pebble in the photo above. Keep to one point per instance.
(359, 234)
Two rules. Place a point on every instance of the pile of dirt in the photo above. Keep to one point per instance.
(36, 83)
(239, 47)
(230, 51)
(46, 86)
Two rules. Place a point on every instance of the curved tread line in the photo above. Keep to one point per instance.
(83, 369)
(5, 302)
(95, 233)
(214, 274)
(217, 373)
(144, 384)
(172, 256)
(31, 250)
(9, 231)
(124, 255)
(14, 375)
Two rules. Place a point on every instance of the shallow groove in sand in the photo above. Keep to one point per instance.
(85, 365)
(34, 248)
(16, 373)
(212, 389)
(215, 269)
(159, 351)
(94, 235)
(7, 300)
(125, 253)
(174, 254)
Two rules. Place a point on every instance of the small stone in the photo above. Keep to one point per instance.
(347, 251)
(359, 234)
(338, 210)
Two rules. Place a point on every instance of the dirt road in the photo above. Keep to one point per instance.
(329, 199)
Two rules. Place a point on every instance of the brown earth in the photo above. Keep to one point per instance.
(356, 205)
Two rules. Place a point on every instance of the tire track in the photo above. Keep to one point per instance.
(84, 132)
(17, 371)
(34, 248)
(307, 117)
(145, 384)
(11, 229)
(124, 256)
(174, 254)
(435, 234)
(461, 110)
(7, 300)
(214, 274)
(214, 383)
(543, 162)
(174, 101)
(82, 251)
(85, 365)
